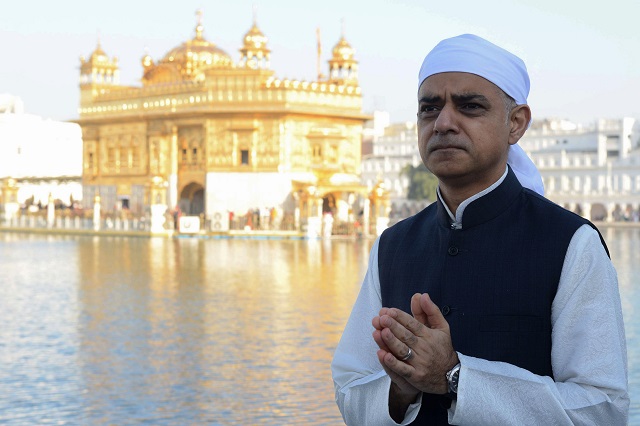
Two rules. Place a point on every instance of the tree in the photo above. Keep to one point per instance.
(422, 183)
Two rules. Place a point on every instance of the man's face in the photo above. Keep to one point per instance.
(463, 132)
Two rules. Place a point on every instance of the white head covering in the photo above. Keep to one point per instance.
(475, 55)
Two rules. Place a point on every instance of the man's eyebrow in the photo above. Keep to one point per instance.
(457, 98)
(430, 99)
(469, 97)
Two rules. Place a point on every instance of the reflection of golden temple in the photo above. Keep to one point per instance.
(223, 136)
(329, 192)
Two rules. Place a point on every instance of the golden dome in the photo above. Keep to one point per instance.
(197, 53)
(147, 61)
(255, 40)
(343, 68)
(343, 50)
(254, 52)
(98, 56)
(99, 69)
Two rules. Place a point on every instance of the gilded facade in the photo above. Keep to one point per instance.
(223, 135)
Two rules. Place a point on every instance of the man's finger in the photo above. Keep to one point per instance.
(416, 309)
(394, 367)
(435, 319)
(398, 342)
(406, 321)
(377, 337)
(375, 322)
(395, 377)
(383, 311)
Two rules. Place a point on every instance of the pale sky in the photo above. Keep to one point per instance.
(583, 57)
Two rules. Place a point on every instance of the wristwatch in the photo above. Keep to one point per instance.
(453, 376)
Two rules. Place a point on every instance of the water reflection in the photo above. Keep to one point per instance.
(191, 331)
(39, 372)
(624, 245)
(218, 330)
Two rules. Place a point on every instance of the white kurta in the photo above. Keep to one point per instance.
(588, 357)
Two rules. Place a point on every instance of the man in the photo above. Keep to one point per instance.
(493, 306)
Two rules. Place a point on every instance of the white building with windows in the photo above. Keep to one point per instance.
(392, 151)
(43, 156)
(593, 170)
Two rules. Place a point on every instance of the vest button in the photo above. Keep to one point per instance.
(446, 310)
(453, 251)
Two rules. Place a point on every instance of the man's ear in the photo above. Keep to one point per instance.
(518, 122)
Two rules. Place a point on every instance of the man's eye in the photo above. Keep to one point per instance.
(471, 107)
(427, 108)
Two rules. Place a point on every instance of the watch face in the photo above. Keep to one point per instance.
(454, 380)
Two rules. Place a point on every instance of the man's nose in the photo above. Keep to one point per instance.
(446, 120)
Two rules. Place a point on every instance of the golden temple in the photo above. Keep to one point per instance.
(213, 136)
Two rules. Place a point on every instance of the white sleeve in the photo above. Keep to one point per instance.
(362, 385)
(588, 356)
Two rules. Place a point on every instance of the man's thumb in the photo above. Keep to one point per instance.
(435, 320)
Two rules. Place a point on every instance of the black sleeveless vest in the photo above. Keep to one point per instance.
(494, 280)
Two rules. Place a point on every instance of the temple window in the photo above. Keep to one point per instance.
(244, 157)
(317, 153)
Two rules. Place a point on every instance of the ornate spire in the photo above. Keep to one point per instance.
(147, 61)
(254, 52)
(319, 54)
(99, 69)
(199, 26)
(343, 68)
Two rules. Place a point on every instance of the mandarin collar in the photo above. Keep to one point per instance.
(485, 207)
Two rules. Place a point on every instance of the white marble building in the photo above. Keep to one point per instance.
(393, 149)
(43, 156)
(593, 170)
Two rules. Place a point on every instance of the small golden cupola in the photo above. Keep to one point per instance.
(254, 53)
(147, 61)
(99, 69)
(343, 68)
(195, 55)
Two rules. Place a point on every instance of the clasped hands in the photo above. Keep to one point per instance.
(427, 334)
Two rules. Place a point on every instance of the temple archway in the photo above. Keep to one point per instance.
(329, 204)
(192, 199)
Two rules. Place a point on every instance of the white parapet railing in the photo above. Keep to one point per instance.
(78, 223)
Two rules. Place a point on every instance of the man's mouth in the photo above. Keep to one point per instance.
(441, 147)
